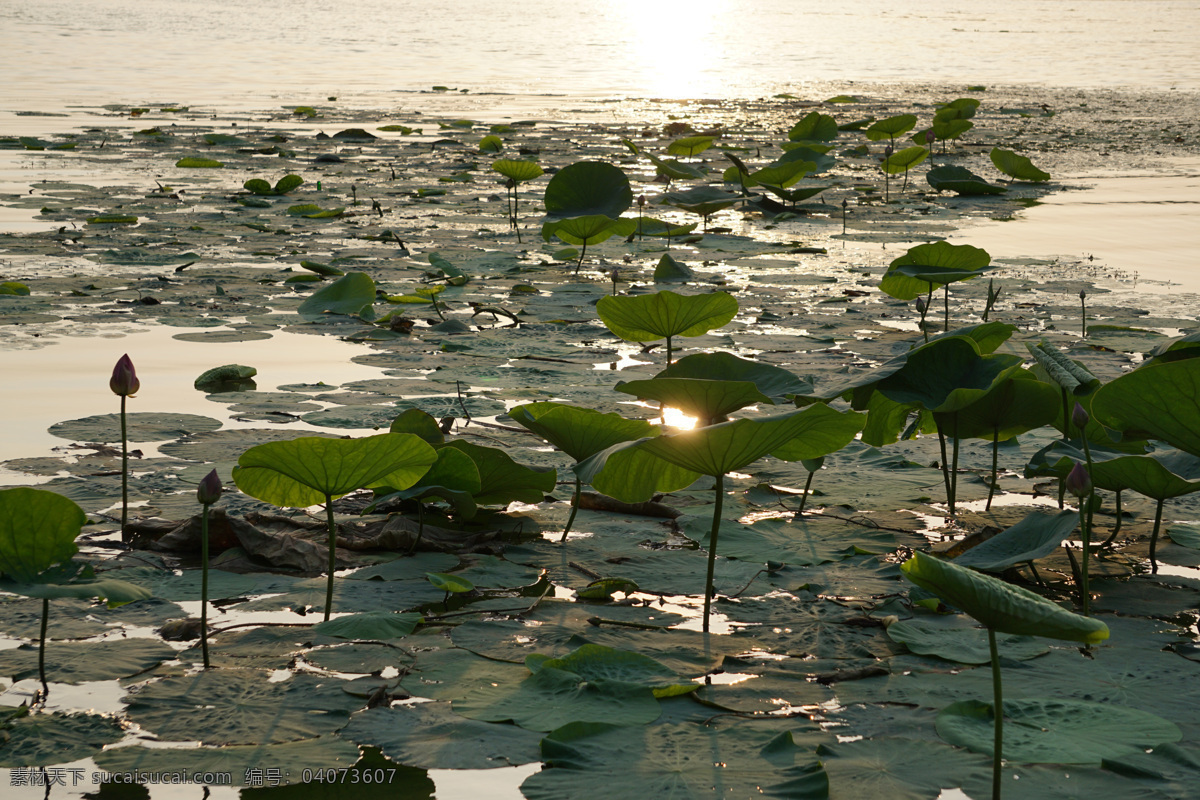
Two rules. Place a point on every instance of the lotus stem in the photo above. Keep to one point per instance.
(945, 466)
(1085, 597)
(204, 584)
(125, 537)
(582, 253)
(946, 308)
(804, 497)
(574, 507)
(1116, 527)
(995, 459)
(1083, 313)
(420, 527)
(669, 352)
(42, 643)
(997, 715)
(954, 466)
(1154, 536)
(332, 557)
(709, 591)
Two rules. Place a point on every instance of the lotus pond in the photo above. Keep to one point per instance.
(681, 454)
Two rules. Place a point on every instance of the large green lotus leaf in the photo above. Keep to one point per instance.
(1016, 166)
(1163, 400)
(37, 529)
(1175, 350)
(1056, 731)
(588, 187)
(898, 769)
(797, 194)
(631, 474)
(717, 449)
(451, 673)
(960, 180)
(454, 477)
(421, 423)
(891, 127)
(950, 129)
(140, 426)
(41, 739)
(349, 596)
(760, 690)
(904, 160)
(21, 618)
(824, 431)
(370, 625)
(774, 382)
(934, 276)
(797, 542)
(947, 375)
(579, 432)
(684, 760)
(690, 145)
(601, 662)
(520, 171)
(504, 480)
(814, 127)
(1036, 536)
(708, 400)
(551, 698)
(676, 170)
(784, 623)
(301, 472)
(797, 151)
(82, 662)
(887, 420)
(432, 736)
(353, 295)
(644, 318)
(1063, 371)
(1014, 406)
(493, 572)
(1160, 475)
(360, 658)
(955, 257)
(1178, 765)
(956, 638)
(782, 175)
(998, 605)
(588, 229)
(703, 200)
(75, 580)
(293, 759)
(240, 707)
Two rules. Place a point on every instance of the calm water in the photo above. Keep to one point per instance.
(62, 52)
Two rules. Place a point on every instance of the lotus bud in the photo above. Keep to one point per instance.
(921, 306)
(888, 150)
(929, 136)
(1083, 294)
(209, 490)
(1080, 417)
(641, 201)
(124, 380)
(1079, 482)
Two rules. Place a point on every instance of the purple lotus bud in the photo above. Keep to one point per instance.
(124, 380)
(641, 200)
(929, 137)
(1079, 482)
(887, 151)
(1080, 417)
(1082, 294)
(209, 490)
(921, 306)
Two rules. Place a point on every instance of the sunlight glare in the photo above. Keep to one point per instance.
(674, 418)
(672, 48)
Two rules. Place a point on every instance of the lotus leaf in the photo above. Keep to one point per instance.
(898, 768)
(891, 127)
(676, 170)
(579, 432)
(774, 382)
(955, 639)
(370, 625)
(43, 739)
(353, 295)
(904, 160)
(1035, 536)
(814, 127)
(690, 145)
(710, 401)
(957, 261)
(671, 271)
(961, 181)
(517, 170)
(588, 188)
(1017, 167)
(666, 315)
(1161, 400)
(593, 662)
(37, 530)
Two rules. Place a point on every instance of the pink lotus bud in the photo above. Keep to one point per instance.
(1083, 294)
(921, 306)
(1079, 482)
(641, 200)
(209, 490)
(1080, 417)
(124, 380)
(929, 136)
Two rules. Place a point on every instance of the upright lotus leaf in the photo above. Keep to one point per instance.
(821, 160)
(826, 431)
(421, 423)
(37, 530)
(518, 170)
(690, 145)
(814, 127)
(454, 276)
(454, 477)
(1161, 400)
(1037, 535)
(962, 108)
(587, 230)
(504, 480)
(999, 605)
(632, 475)
(580, 433)
(311, 470)
(904, 160)
(710, 401)
(949, 129)
(781, 176)
(284, 185)
(671, 271)
(703, 200)
(960, 180)
(676, 170)
(774, 382)
(947, 375)
(891, 127)
(1174, 350)
(587, 188)
(665, 314)
(353, 295)
(954, 258)
(1018, 167)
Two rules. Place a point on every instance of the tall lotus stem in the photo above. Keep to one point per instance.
(712, 548)
(332, 557)
(1081, 418)
(887, 153)
(574, 508)
(124, 383)
(995, 464)
(1083, 312)
(42, 647)
(208, 492)
(1154, 536)
(1079, 483)
(997, 715)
